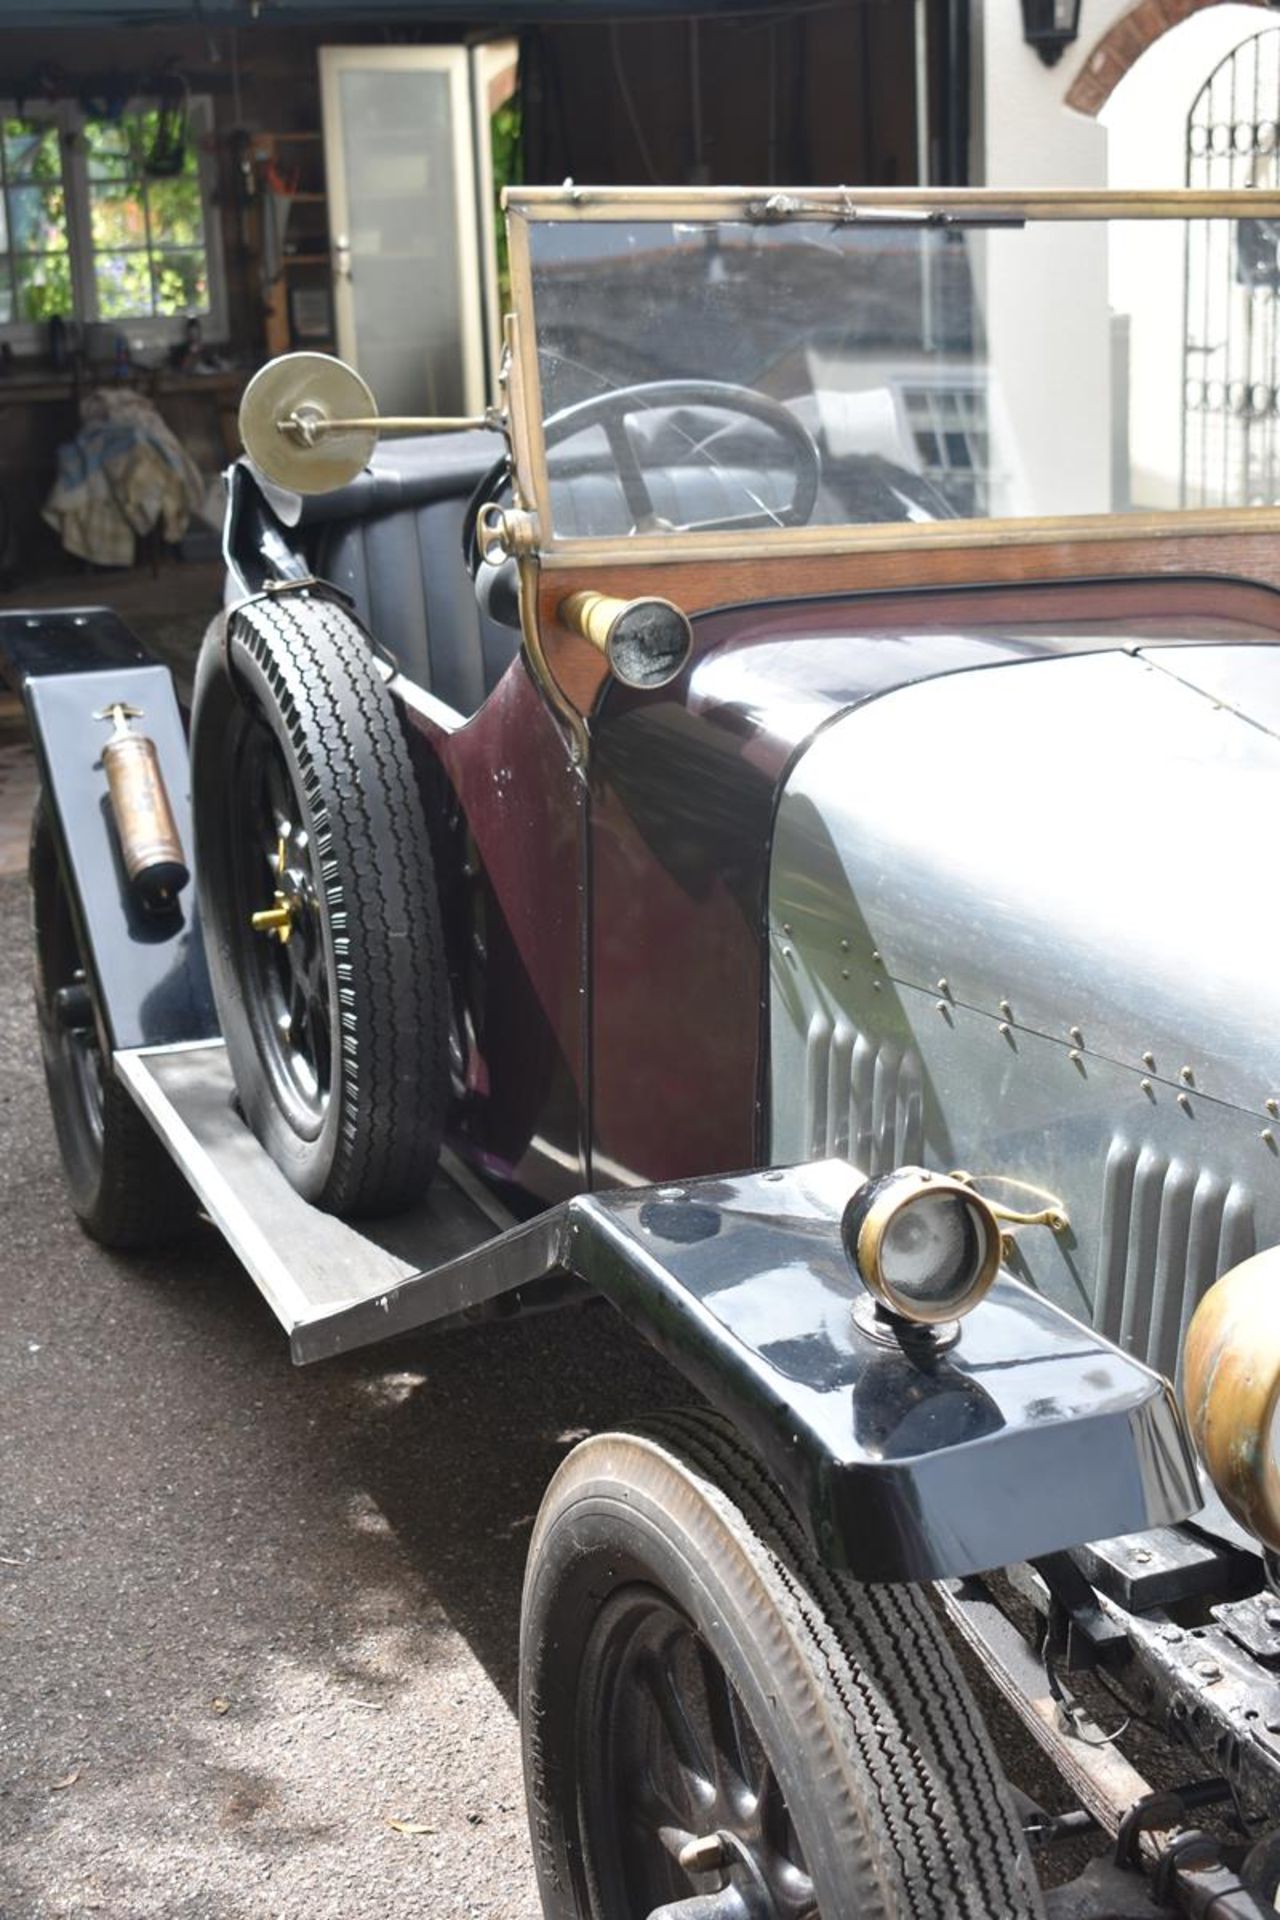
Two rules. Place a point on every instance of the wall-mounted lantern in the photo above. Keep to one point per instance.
(1050, 26)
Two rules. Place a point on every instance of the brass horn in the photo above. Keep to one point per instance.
(309, 422)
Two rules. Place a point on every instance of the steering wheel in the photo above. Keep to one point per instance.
(614, 411)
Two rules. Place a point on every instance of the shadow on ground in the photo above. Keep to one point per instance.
(250, 1617)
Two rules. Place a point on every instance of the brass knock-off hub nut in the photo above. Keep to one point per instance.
(277, 919)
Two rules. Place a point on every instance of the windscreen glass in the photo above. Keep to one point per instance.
(708, 376)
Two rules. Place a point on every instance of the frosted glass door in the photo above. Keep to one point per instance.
(398, 151)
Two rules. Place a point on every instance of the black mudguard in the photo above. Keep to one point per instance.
(1030, 1434)
(149, 975)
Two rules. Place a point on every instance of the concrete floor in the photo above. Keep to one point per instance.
(249, 1616)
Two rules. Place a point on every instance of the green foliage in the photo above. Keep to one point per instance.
(31, 152)
(176, 213)
(138, 224)
(44, 286)
(123, 282)
(182, 283)
(117, 217)
(505, 129)
(118, 149)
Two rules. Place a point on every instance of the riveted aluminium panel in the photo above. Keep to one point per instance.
(1161, 1199)
(920, 879)
(1078, 839)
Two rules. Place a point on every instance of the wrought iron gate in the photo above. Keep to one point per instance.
(1231, 373)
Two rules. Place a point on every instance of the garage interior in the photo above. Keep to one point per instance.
(168, 202)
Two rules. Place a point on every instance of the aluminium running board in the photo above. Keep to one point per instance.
(308, 1265)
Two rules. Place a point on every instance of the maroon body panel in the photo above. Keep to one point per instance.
(508, 813)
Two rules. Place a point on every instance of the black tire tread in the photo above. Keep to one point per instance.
(882, 1646)
(130, 1195)
(375, 869)
(142, 1200)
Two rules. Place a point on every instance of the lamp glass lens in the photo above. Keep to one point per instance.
(932, 1250)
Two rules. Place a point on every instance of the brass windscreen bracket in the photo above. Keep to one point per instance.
(1053, 1214)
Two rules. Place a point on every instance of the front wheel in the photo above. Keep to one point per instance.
(716, 1727)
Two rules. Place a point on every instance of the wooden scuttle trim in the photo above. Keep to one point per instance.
(698, 586)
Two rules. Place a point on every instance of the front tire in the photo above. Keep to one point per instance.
(690, 1672)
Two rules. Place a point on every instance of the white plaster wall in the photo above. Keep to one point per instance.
(1023, 134)
(1048, 325)
(1145, 120)
(1050, 367)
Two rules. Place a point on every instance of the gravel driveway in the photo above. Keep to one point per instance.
(249, 1615)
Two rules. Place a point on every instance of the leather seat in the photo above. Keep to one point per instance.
(393, 541)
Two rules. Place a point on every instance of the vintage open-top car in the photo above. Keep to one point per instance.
(767, 827)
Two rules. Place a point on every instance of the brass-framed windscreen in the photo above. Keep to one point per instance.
(966, 366)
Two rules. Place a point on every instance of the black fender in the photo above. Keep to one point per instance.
(148, 972)
(258, 542)
(1030, 1434)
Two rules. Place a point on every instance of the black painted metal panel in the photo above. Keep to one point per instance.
(1030, 1434)
(149, 970)
(64, 640)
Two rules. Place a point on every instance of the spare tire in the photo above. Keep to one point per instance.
(319, 904)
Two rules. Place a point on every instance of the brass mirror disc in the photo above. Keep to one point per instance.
(317, 385)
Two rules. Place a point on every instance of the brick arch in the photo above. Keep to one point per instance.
(1125, 42)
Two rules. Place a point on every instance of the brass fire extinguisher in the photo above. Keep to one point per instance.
(140, 807)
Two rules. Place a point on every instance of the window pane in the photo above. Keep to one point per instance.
(38, 219)
(124, 285)
(31, 150)
(118, 149)
(109, 148)
(6, 292)
(44, 286)
(176, 217)
(182, 283)
(117, 217)
(166, 145)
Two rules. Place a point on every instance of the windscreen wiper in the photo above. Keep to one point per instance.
(848, 212)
